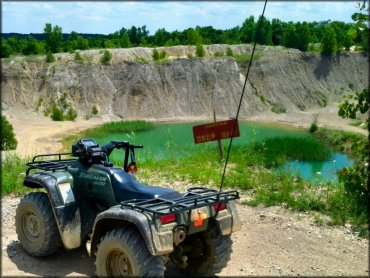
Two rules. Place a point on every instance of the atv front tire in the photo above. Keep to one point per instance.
(123, 252)
(35, 225)
(210, 255)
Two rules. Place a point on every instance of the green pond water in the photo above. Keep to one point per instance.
(176, 139)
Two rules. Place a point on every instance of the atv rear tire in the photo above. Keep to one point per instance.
(35, 225)
(213, 255)
(123, 252)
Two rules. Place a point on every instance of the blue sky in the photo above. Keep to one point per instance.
(108, 17)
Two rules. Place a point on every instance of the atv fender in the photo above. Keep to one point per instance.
(158, 243)
(65, 209)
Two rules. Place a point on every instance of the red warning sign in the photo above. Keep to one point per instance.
(215, 131)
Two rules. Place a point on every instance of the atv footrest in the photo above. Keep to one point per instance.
(195, 197)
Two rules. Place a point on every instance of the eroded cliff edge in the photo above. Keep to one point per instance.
(133, 86)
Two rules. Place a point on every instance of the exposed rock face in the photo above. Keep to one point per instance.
(133, 86)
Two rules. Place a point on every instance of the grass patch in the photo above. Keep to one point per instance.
(13, 171)
(275, 151)
(340, 140)
(277, 108)
(243, 59)
(106, 128)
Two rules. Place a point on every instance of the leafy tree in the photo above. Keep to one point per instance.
(54, 37)
(248, 30)
(329, 41)
(16, 44)
(356, 178)
(193, 37)
(360, 30)
(7, 138)
(303, 36)
(277, 31)
(264, 36)
(82, 43)
(143, 42)
(349, 109)
(199, 51)
(6, 49)
(290, 37)
(32, 47)
(161, 36)
(125, 41)
(106, 58)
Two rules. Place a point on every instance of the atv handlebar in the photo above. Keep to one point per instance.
(129, 151)
(108, 148)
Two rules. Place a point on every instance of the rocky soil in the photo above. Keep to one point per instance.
(273, 242)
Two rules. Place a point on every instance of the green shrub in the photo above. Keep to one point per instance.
(155, 55)
(106, 58)
(57, 114)
(162, 54)
(199, 51)
(78, 57)
(313, 127)
(50, 57)
(94, 110)
(190, 56)
(229, 52)
(218, 54)
(71, 114)
(39, 103)
(7, 139)
(13, 171)
(277, 108)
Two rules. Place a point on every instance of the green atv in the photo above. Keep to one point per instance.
(131, 228)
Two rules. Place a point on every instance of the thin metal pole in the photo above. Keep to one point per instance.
(241, 97)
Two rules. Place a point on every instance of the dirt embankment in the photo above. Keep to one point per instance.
(133, 86)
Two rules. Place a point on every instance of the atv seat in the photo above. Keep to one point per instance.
(126, 187)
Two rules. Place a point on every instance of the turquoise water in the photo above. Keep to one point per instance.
(317, 171)
(176, 140)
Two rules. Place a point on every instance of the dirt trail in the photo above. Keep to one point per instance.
(273, 241)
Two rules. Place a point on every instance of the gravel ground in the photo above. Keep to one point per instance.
(273, 241)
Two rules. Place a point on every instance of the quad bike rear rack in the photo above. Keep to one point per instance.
(50, 165)
(196, 197)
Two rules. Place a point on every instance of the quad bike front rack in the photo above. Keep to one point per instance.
(50, 165)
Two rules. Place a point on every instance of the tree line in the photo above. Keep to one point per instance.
(327, 37)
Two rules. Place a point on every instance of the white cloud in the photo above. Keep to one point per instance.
(108, 17)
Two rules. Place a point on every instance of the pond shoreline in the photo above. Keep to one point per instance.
(39, 134)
